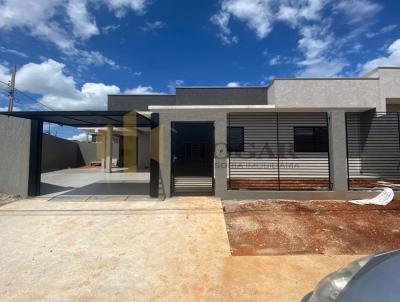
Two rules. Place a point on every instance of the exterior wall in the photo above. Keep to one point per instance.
(14, 159)
(222, 96)
(143, 150)
(221, 161)
(326, 94)
(389, 85)
(393, 107)
(90, 152)
(138, 102)
(59, 153)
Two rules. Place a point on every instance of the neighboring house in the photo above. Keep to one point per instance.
(294, 139)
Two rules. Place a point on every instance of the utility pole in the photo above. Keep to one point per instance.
(11, 93)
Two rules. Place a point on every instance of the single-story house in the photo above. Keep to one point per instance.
(297, 138)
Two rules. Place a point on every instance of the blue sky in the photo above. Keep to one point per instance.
(71, 53)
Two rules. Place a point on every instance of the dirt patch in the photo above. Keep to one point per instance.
(312, 227)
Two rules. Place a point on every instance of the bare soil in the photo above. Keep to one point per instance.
(311, 227)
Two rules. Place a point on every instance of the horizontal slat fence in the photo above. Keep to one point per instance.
(265, 166)
(373, 150)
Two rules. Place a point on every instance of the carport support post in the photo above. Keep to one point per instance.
(109, 141)
(35, 158)
(338, 151)
(154, 155)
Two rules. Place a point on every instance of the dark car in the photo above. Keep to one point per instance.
(374, 278)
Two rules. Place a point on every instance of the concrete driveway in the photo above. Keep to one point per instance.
(111, 250)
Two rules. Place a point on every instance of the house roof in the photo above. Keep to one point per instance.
(85, 118)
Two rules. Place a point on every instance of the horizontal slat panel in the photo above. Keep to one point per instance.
(373, 148)
(261, 158)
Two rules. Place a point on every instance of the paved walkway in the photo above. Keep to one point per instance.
(110, 250)
(93, 181)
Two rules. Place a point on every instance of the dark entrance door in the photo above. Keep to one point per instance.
(192, 158)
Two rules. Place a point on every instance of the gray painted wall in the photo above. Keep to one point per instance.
(138, 102)
(90, 152)
(59, 153)
(222, 96)
(14, 159)
(191, 96)
(325, 93)
(314, 94)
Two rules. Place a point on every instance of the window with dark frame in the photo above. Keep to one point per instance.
(310, 139)
(235, 139)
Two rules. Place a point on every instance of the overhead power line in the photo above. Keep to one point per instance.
(29, 97)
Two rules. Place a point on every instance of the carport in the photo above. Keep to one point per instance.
(108, 183)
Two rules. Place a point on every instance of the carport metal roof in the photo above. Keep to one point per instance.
(86, 118)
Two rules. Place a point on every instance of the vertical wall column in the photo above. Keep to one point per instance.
(154, 155)
(35, 158)
(109, 149)
(338, 150)
(220, 155)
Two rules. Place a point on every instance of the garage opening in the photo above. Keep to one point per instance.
(111, 156)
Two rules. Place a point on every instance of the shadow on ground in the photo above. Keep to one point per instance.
(112, 188)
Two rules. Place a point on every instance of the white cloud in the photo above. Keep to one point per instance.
(260, 15)
(36, 17)
(5, 74)
(256, 14)
(80, 137)
(46, 78)
(233, 84)
(65, 23)
(391, 60)
(13, 51)
(357, 10)
(86, 58)
(6, 108)
(84, 26)
(92, 96)
(173, 84)
(323, 68)
(275, 60)
(222, 21)
(294, 12)
(109, 28)
(59, 91)
(141, 90)
(315, 41)
(383, 30)
(321, 49)
(121, 7)
(150, 26)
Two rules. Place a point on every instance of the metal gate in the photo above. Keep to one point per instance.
(269, 159)
(373, 150)
(192, 158)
